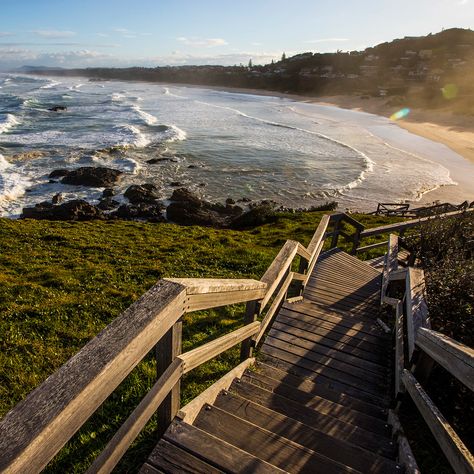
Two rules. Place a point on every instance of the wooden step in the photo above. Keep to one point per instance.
(271, 378)
(173, 460)
(319, 404)
(302, 371)
(374, 442)
(309, 362)
(275, 449)
(335, 449)
(215, 451)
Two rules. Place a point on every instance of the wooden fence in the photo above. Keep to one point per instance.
(418, 347)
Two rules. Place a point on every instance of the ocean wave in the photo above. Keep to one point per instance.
(12, 184)
(170, 133)
(145, 116)
(7, 121)
(50, 85)
(129, 135)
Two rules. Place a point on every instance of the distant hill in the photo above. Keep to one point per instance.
(419, 67)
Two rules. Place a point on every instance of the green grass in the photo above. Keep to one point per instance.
(62, 282)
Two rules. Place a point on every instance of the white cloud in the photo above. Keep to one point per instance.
(122, 31)
(327, 40)
(4, 34)
(205, 42)
(54, 33)
(102, 35)
(463, 2)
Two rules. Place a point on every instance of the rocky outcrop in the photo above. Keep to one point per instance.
(142, 193)
(96, 177)
(58, 174)
(141, 211)
(259, 214)
(58, 108)
(188, 208)
(108, 204)
(75, 210)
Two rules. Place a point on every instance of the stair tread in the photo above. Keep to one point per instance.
(338, 450)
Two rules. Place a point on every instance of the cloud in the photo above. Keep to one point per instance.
(73, 45)
(205, 42)
(53, 33)
(102, 35)
(4, 34)
(327, 40)
(463, 2)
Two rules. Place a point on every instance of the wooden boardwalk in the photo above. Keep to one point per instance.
(316, 400)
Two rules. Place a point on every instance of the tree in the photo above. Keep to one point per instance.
(283, 56)
(250, 63)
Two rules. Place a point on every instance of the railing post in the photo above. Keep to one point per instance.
(335, 235)
(251, 314)
(167, 349)
(356, 242)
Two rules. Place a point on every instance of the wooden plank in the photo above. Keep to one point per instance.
(366, 248)
(166, 351)
(36, 429)
(268, 446)
(386, 229)
(362, 353)
(189, 412)
(301, 371)
(148, 469)
(455, 357)
(305, 435)
(391, 264)
(277, 270)
(416, 307)
(362, 366)
(198, 286)
(309, 363)
(215, 451)
(460, 458)
(325, 364)
(201, 354)
(303, 252)
(270, 378)
(174, 460)
(338, 256)
(275, 306)
(327, 407)
(405, 454)
(399, 349)
(324, 423)
(127, 433)
(344, 294)
(318, 236)
(213, 300)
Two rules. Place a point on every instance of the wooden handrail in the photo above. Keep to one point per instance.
(454, 449)
(455, 357)
(39, 426)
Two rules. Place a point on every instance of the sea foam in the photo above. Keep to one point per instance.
(7, 121)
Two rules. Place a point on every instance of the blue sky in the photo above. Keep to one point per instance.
(160, 32)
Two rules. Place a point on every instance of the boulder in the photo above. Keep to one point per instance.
(108, 204)
(259, 214)
(108, 192)
(141, 211)
(175, 184)
(57, 198)
(58, 108)
(154, 161)
(96, 177)
(58, 173)
(142, 193)
(75, 210)
(189, 209)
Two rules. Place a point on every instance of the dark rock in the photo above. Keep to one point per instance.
(58, 108)
(92, 176)
(142, 193)
(191, 167)
(229, 201)
(202, 185)
(141, 211)
(244, 199)
(257, 215)
(107, 204)
(189, 209)
(75, 210)
(108, 192)
(58, 173)
(57, 198)
(154, 161)
(176, 183)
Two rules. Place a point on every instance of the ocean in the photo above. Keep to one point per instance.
(220, 144)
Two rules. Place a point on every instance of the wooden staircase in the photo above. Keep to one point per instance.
(316, 400)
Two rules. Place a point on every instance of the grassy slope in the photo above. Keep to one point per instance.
(61, 283)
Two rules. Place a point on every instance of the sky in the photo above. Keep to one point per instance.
(121, 33)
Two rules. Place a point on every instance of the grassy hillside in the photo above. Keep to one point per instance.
(61, 283)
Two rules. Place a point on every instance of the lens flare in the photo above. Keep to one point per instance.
(450, 91)
(400, 114)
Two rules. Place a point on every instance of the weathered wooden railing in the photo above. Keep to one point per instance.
(359, 232)
(417, 348)
(34, 431)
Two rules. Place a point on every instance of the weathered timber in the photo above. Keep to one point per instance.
(455, 357)
(275, 306)
(201, 354)
(460, 458)
(189, 412)
(405, 454)
(319, 235)
(197, 286)
(36, 429)
(213, 300)
(399, 349)
(127, 433)
(416, 307)
(391, 264)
